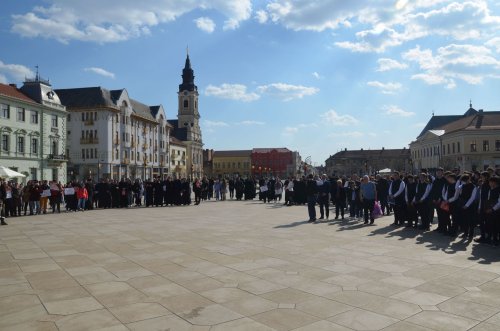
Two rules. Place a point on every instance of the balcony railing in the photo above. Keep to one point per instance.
(126, 161)
(89, 141)
(88, 122)
(57, 157)
(145, 146)
(132, 144)
(116, 141)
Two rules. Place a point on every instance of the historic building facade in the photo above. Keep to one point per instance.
(111, 135)
(33, 130)
(187, 126)
(232, 163)
(348, 162)
(178, 156)
(273, 162)
(469, 142)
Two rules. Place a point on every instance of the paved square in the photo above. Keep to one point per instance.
(239, 266)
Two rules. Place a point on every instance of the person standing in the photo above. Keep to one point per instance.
(493, 209)
(324, 198)
(312, 197)
(436, 198)
(340, 199)
(82, 196)
(2, 202)
(368, 194)
(197, 191)
(231, 188)
(396, 194)
(382, 191)
(422, 202)
(467, 199)
(411, 215)
(484, 190)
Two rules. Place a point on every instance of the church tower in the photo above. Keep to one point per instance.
(188, 115)
(188, 121)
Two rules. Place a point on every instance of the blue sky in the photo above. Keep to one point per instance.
(316, 76)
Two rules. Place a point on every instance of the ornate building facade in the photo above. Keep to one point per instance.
(33, 130)
(111, 135)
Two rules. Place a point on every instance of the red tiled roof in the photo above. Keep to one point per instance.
(13, 92)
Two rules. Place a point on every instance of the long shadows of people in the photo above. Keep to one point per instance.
(291, 225)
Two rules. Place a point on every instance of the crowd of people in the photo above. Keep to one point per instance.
(461, 201)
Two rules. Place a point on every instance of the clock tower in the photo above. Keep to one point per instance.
(188, 120)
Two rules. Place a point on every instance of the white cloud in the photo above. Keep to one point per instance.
(379, 25)
(289, 131)
(494, 43)
(287, 92)
(231, 92)
(386, 64)
(100, 71)
(14, 72)
(317, 75)
(261, 16)
(250, 122)
(215, 124)
(205, 24)
(332, 117)
(469, 63)
(105, 21)
(395, 110)
(386, 88)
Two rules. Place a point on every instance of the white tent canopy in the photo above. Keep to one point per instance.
(9, 173)
(385, 171)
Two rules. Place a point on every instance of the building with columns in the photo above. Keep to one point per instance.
(111, 135)
(33, 130)
(187, 126)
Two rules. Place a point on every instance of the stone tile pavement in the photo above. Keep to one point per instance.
(239, 266)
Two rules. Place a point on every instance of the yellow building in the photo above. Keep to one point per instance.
(231, 163)
(469, 142)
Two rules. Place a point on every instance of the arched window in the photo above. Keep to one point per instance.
(186, 104)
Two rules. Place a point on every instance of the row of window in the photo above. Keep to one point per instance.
(21, 145)
(21, 115)
(235, 165)
(454, 148)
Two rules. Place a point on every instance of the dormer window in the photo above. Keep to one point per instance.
(186, 104)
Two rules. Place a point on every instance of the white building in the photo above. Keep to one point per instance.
(111, 135)
(33, 130)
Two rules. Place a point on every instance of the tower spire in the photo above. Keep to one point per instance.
(470, 103)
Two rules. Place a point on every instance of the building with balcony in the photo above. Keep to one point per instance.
(33, 130)
(469, 142)
(111, 135)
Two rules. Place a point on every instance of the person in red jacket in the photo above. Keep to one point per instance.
(82, 196)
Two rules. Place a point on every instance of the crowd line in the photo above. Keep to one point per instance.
(462, 202)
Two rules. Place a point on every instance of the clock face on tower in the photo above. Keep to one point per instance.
(186, 93)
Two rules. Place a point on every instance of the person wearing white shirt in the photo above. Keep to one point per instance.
(451, 196)
(396, 194)
(467, 201)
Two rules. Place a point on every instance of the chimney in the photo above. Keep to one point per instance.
(383, 148)
(346, 149)
(480, 111)
(13, 85)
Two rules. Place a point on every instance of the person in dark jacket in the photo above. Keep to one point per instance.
(340, 199)
(324, 198)
(312, 197)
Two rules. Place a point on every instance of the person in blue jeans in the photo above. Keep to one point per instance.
(312, 197)
(368, 193)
